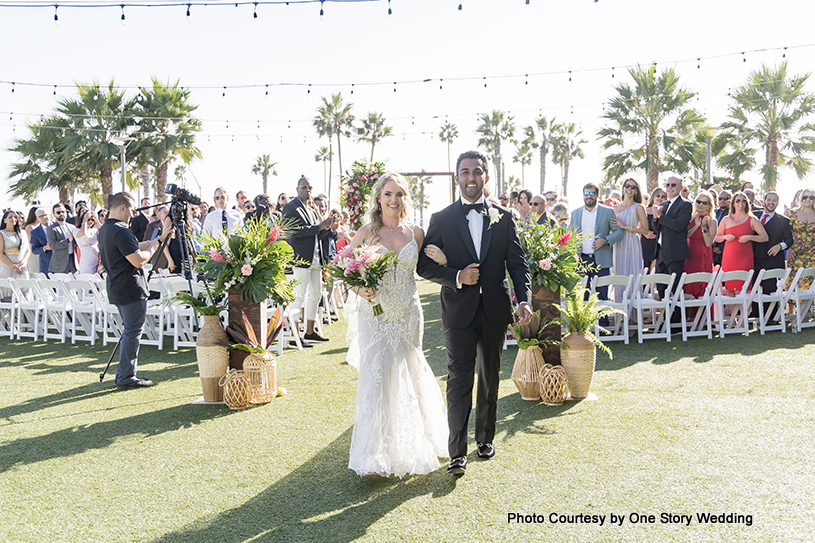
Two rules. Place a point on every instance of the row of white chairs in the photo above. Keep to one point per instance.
(712, 309)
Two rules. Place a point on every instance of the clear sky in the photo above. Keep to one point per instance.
(357, 44)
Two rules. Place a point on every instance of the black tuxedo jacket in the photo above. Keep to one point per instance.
(500, 253)
(778, 229)
(673, 227)
(546, 218)
(138, 225)
(305, 228)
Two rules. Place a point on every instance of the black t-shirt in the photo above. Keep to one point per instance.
(125, 283)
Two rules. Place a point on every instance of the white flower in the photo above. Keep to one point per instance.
(495, 216)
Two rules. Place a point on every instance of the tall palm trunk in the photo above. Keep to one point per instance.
(145, 181)
(566, 174)
(64, 194)
(330, 165)
(543, 170)
(106, 177)
(265, 183)
(772, 162)
(373, 144)
(497, 159)
(421, 202)
(339, 164)
(161, 178)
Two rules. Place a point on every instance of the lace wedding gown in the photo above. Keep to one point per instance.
(400, 423)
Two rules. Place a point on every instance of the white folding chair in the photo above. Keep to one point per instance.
(84, 309)
(56, 310)
(659, 310)
(7, 310)
(618, 324)
(701, 324)
(803, 298)
(738, 305)
(775, 301)
(28, 305)
(182, 318)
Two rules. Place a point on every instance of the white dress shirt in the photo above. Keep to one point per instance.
(475, 222)
(213, 222)
(588, 223)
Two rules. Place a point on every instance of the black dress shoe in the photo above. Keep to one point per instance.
(486, 450)
(137, 382)
(314, 336)
(457, 466)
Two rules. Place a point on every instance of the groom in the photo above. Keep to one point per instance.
(481, 245)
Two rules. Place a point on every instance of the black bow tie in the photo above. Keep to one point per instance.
(469, 207)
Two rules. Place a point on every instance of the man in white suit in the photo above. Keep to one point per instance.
(594, 222)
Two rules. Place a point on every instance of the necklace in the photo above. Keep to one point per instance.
(391, 228)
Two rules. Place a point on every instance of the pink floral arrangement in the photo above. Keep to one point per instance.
(362, 267)
(356, 187)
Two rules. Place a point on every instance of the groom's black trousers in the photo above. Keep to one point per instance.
(474, 348)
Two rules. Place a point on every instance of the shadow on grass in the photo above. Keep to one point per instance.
(321, 500)
(77, 440)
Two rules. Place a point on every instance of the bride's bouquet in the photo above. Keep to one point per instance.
(363, 267)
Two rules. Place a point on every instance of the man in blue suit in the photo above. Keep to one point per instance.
(39, 244)
(594, 222)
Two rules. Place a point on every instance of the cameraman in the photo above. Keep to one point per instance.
(123, 257)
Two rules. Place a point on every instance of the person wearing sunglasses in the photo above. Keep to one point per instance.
(722, 211)
(222, 218)
(649, 245)
(802, 220)
(538, 205)
(630, 216)
(769, 255)
(701, 231)
(671, 221)
(739, 230)
(599, 235)
(60, 239)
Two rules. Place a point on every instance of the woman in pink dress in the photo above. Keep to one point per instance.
(738, 230)
(701, 231)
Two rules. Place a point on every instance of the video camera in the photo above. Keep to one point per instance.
(182, 195)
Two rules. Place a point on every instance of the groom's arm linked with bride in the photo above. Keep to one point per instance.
(476, 303)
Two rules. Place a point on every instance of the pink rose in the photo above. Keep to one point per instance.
(545, 265)
(246, 269)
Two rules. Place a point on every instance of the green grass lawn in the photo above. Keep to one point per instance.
(704, 426)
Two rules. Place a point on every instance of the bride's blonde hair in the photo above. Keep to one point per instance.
(374, 214)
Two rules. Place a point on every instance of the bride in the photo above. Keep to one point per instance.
(400, 422)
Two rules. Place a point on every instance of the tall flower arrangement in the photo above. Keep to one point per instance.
(551, 254)
(253, 260)
(356, 187)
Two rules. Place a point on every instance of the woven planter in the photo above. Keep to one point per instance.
(526, 372)
(237, 389)
(212, 356)
(262, 371)
(554, 385)
(577, 355)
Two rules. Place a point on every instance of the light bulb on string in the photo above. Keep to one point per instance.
(12, 87)
(309, 89)
(527, 4)
(352, 88)
(612, 72)
(255, 16)
(743, 58)
(55, 90)
(785, 53)
(485, 82)
(526, 82)
(56, 16)
(570, 76)
(267, 90)
(394, 86)
(223, 94)
(390, 13)
(322, 18)
(440, 82)
(189, 17)
(123, 14)
(459, 6)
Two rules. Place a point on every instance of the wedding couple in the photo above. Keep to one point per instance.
(469, 248)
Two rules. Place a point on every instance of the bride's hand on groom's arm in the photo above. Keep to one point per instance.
(436, 255)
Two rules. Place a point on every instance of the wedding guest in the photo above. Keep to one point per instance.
(561, 214)
(523, 207)
(802, 221)
(282, 200)
(551, 199)
(513, 198)
(14, 251)
(739, 230)
(87, 240)
(503, 199)
(701, 231)
(154, 230)
(31, 222)
(344, 234)
(60, 238)
(102, 215)
(630, 216)
(222, 218)
(306, 232)
(263, 208)
(138, 224)
(241, 198)
(671, 221)
(769, 255)
(39, 243)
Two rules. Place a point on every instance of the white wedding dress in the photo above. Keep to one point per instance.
(400, 423)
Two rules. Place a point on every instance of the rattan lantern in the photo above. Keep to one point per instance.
(261, 369)
(554, 385)
(237, 389)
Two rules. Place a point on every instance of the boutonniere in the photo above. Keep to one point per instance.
(495, 216)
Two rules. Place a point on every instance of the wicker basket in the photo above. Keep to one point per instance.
(212, 356)
(526, 372)
(554, 385)
(578, 354)
(262, 371)
(237, 389)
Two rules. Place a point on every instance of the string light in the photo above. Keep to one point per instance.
(56, 16)
(527, 4)
(322, 18)
(390, 13)
(459, 6)
(12, 87)
(123, 14)
(785, 53)
(255, 16)
(189, 17)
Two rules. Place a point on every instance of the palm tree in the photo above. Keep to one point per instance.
(771, 110)
(334, 119)
(652, 127)
(565, 147)
(449, 132)
(94, 118)
(417, 194)
(373, 129)
(513, 183)
(542, 142)
(523, 156)
(264, 167)
(324, 155)
(180, 173)
(493, 129)
(167, 128)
